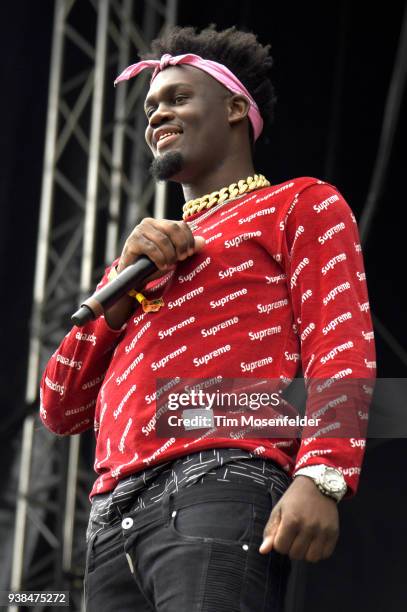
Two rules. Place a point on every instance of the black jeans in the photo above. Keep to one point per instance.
(195, 551)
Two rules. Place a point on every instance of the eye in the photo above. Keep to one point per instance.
(180, 97)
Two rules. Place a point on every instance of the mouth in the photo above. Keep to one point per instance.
(166, 140)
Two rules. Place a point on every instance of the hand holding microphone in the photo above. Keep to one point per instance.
(153, 248)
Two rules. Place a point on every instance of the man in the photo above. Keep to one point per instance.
(254, 281)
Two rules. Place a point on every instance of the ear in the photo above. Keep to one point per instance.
(238, 108)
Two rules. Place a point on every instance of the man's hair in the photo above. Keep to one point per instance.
(240, 51)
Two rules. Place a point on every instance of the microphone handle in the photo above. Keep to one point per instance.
(130, 278)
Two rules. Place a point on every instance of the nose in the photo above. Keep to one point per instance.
(161, 114)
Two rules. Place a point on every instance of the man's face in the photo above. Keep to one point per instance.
(188, 121)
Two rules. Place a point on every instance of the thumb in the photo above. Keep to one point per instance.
(199, 242)
(270, 531)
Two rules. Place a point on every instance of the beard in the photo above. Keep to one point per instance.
(165, 166)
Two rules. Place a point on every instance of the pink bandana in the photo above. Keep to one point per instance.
(216, 70)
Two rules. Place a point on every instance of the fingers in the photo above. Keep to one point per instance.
(164, 242)
(178, 234)
(157, 246)
(297, 539)
(314, 552)
(270, 531)
(311, 544)
(330, 544)
(306, 545)
(302, 543)
(289, 528)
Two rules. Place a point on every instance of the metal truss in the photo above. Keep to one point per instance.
(95, 187)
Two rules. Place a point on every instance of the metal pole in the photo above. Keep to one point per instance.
(69, 516)
(161, 190)
(46, 200)
(21, 512)
(118, 141)
(38, 297)
(160, 200)
(88, 251)
(94, 147)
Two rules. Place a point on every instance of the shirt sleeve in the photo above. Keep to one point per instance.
(327, 283)
(74, 374)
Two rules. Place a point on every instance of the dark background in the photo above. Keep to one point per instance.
(333, 67)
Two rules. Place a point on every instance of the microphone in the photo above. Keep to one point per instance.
(129, 278)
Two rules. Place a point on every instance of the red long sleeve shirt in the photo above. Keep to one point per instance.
(279, 285)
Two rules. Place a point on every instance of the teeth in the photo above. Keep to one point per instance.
(167, 134)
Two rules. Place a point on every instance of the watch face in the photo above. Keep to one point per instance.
(332, 481)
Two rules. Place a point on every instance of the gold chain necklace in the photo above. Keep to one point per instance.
(251, 183)
(195, 223)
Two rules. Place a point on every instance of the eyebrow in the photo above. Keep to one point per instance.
(165, 90)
